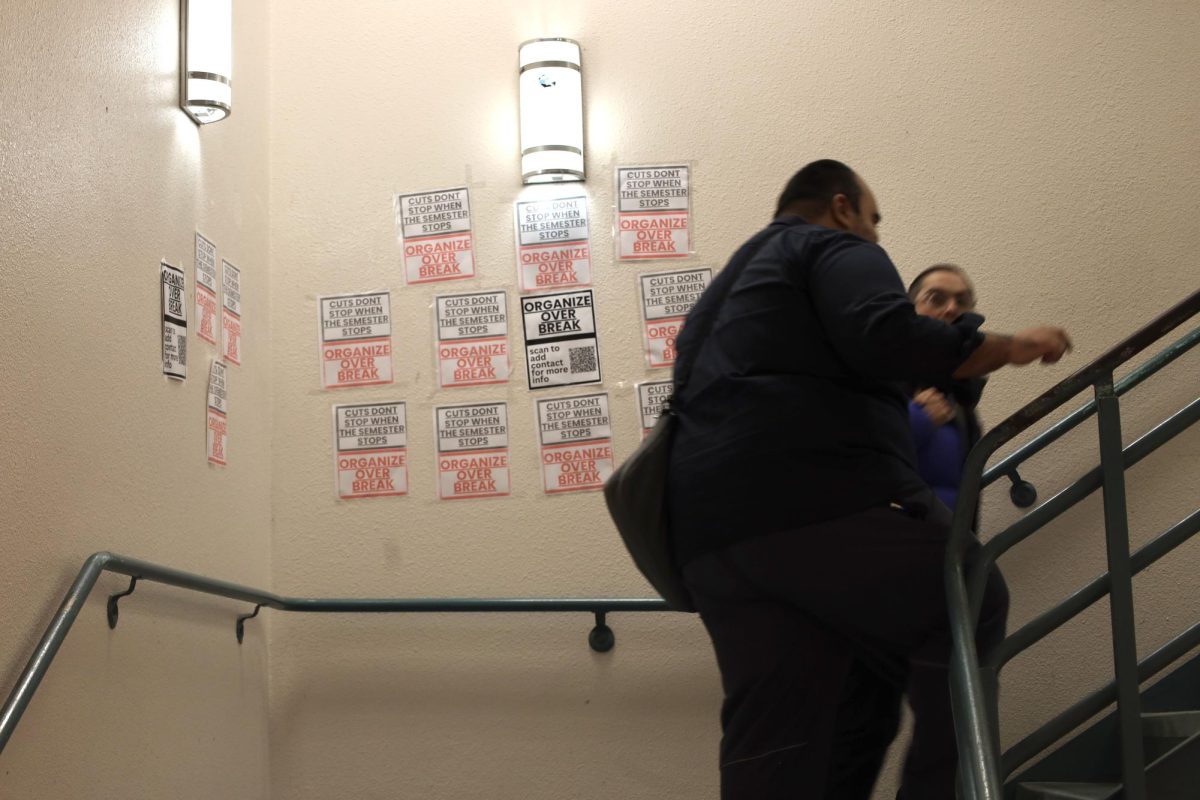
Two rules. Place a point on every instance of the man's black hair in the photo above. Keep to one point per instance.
(811, 190)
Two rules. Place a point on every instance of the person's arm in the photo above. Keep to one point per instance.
(920, 423)
(874, 328)
(871, 324)
(936, 405)
(1045, 342)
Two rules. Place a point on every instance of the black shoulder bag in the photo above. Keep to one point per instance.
(636, 492)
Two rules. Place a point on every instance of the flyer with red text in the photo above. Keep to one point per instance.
(435, 232)
(206, 289)
(667, 297)
(356, 340)
(576, 440)
(651, 395)
(472, 339)
(231, 313)
(371, 450)
(217, 424)
(654, 218)
(553, 251)
(472, 451)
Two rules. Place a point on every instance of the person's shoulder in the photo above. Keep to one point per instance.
(826, 247)
(829, 239)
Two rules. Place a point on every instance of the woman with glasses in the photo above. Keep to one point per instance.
(943, 419)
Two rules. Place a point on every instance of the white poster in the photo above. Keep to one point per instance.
(217, 424)
(174, 322)
(356, 340)
(576, 443)
(435, 231)
(667, 297)
(651, 395)
(206, 289)
(231, 313)
(371, 443)
(653, 212)
(553, 251)
(472, 339)
(561, 348)
(472, 443)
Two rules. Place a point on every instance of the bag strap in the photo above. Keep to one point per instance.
(732, 271)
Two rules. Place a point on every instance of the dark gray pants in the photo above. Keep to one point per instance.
(819, 632)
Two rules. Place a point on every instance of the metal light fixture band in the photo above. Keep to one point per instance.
(541, 148)
(574, 174)
(211, 76)
(541, 64)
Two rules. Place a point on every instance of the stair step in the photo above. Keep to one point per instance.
(1175, 774)
(1162, 732)
(1058, 790)
(1171, 724)
(1088, 765)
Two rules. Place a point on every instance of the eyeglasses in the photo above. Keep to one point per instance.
(937, 299)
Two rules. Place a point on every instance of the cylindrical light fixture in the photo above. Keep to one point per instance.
(206, 59)
(551, 111)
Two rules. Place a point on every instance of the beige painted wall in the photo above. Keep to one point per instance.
(1049, 149)
(101, 175)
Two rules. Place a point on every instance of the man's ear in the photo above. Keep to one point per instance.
(842, 212)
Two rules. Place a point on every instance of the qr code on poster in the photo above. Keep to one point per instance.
(582, 359)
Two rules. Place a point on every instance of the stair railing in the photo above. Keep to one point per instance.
(974, 683)
(600, 638)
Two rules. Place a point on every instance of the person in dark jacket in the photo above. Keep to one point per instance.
(808, 540)
(943, 420)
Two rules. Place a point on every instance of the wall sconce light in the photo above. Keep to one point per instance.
(551, 111)
(206, 59)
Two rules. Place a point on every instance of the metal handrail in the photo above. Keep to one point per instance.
(600, 638)
(973, 686)
(1097, 701)
(1046, 623)
(1008, 465)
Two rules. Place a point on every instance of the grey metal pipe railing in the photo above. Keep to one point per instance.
(976, 736)
(1091, 481)
(1044, 624)
(1120, 592)
(1067, 498)
(600, 638)
(1008, 465)
(1096, 701)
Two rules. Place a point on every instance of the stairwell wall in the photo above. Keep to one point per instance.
(101, 176)
(1049, 149)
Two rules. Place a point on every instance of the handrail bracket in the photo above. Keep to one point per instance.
(601, 638)
(113, 611)
(241, 622)
(1022, 493)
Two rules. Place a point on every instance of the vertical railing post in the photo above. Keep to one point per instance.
(979, 777)
(1124, 642)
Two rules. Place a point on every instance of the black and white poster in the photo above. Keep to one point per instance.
(561, 348)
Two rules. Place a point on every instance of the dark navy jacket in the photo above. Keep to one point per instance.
(791, 397)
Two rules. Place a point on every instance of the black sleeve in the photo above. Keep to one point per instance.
(872, 325)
